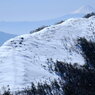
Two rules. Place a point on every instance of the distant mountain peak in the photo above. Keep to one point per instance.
(84, 10)
(5, 36)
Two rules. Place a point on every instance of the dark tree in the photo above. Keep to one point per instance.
(89, 15)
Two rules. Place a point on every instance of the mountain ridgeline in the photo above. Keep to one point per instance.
(24, 27)
(55, 60)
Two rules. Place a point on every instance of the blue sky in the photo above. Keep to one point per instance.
(35, 10)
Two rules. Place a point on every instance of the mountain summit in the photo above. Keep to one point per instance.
(85, 10)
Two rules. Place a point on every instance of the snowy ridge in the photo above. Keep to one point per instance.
(22, 58)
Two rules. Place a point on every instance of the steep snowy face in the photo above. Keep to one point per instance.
(24, 59)
(85, 10)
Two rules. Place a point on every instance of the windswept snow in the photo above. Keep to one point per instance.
(23, 58)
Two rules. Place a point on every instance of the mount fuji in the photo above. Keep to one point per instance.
(80, 12)
(84, 10)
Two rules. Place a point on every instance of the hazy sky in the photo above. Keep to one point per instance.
(34, 10)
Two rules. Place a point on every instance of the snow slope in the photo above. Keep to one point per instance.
(23, 58)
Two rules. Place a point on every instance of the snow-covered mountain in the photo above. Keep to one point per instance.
(84, 10)
(5, 36)
(80, 12)
(24, 59)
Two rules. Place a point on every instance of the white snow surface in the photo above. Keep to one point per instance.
(22, 58)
